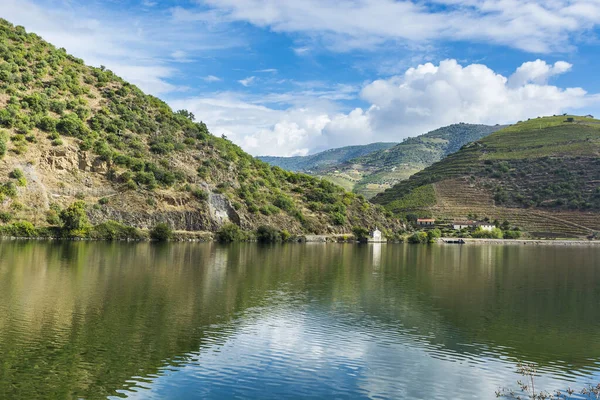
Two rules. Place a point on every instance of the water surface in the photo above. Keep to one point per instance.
(195, 321)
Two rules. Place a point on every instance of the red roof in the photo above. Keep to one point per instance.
(425, 220)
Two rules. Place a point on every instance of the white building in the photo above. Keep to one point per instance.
(486, 226)
(376, 235)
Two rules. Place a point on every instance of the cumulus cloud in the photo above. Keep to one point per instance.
(423, 98)
(537, 72)
(531, 25)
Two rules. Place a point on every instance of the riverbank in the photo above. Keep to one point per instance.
(530, 242)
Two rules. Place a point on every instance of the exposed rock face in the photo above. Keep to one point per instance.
(221, 210)
(192, 220)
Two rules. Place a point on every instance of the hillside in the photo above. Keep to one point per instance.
(379, 170)
(324, 159)
(542, 175)
(72, 133)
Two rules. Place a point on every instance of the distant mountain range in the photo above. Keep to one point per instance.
(324, 159)
(370, 169)
(542, 175)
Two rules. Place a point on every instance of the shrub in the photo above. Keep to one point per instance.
(5, 216)
(433, 234)
(16, 174)
(113, 230)
(360, 233)
(268, 234)
(283, 202)
(200, 194)
(22, 229)
(338, 218)
(103, 201)
(52, 217)
(229, 233)
(74, 217)
(418, 238)
(512, 234)
(9, 189)
(495, 233)
(161, 232)
(2, 147)
(71, 125)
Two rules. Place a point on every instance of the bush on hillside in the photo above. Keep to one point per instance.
(161, 232)
(229, 233)
(418, 238)
(268, 234)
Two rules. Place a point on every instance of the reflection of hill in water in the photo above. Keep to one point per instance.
(81, 319)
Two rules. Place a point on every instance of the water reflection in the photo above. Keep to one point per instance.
(97, 320)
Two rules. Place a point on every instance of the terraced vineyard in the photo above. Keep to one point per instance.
(542, 175)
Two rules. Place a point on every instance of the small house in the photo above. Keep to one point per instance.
(485, 226)
(458, 225)
(425, 221)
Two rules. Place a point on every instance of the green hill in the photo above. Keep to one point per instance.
(542, 175)
(324, 159)
(379, 170)
(73, 133)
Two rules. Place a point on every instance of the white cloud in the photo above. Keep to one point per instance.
(423, 98)
(268, 70)
(531, 25)
(247, 81)
(537, 72)
(212, 78)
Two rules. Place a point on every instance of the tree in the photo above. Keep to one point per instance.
(187, 114)
(268, 234)
(433, 234)
(161, 232)
(360, 233)
(74, 217)
(229, 233)
(418, 238)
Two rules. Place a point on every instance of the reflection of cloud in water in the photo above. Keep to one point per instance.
(294, 352)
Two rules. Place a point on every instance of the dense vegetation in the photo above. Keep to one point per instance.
(373, 172)
(108, 135)
(328, 158)
(547, 164)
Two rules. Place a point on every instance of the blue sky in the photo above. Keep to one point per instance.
(283, 77)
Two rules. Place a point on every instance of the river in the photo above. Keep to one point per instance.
(98, 320)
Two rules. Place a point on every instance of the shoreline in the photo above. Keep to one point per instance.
(523, 242)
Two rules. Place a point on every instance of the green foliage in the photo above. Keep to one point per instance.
(229, 233)
(71, 125)
(418, 238)
(495, 233)
(113, 230)
(200, 194)
(283, 202)
(161, 232)
(2, 146)
(360, 233)
(103, 201)
(511, 234)
(19, 229)
(8, 189)
(433, 234)
(5, 216)
(74, 217)
(268, 234)
(337, 218)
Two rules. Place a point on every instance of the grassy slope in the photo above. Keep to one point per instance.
(79, 132)
(326, 158)
(543, 174)
(377, 171)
